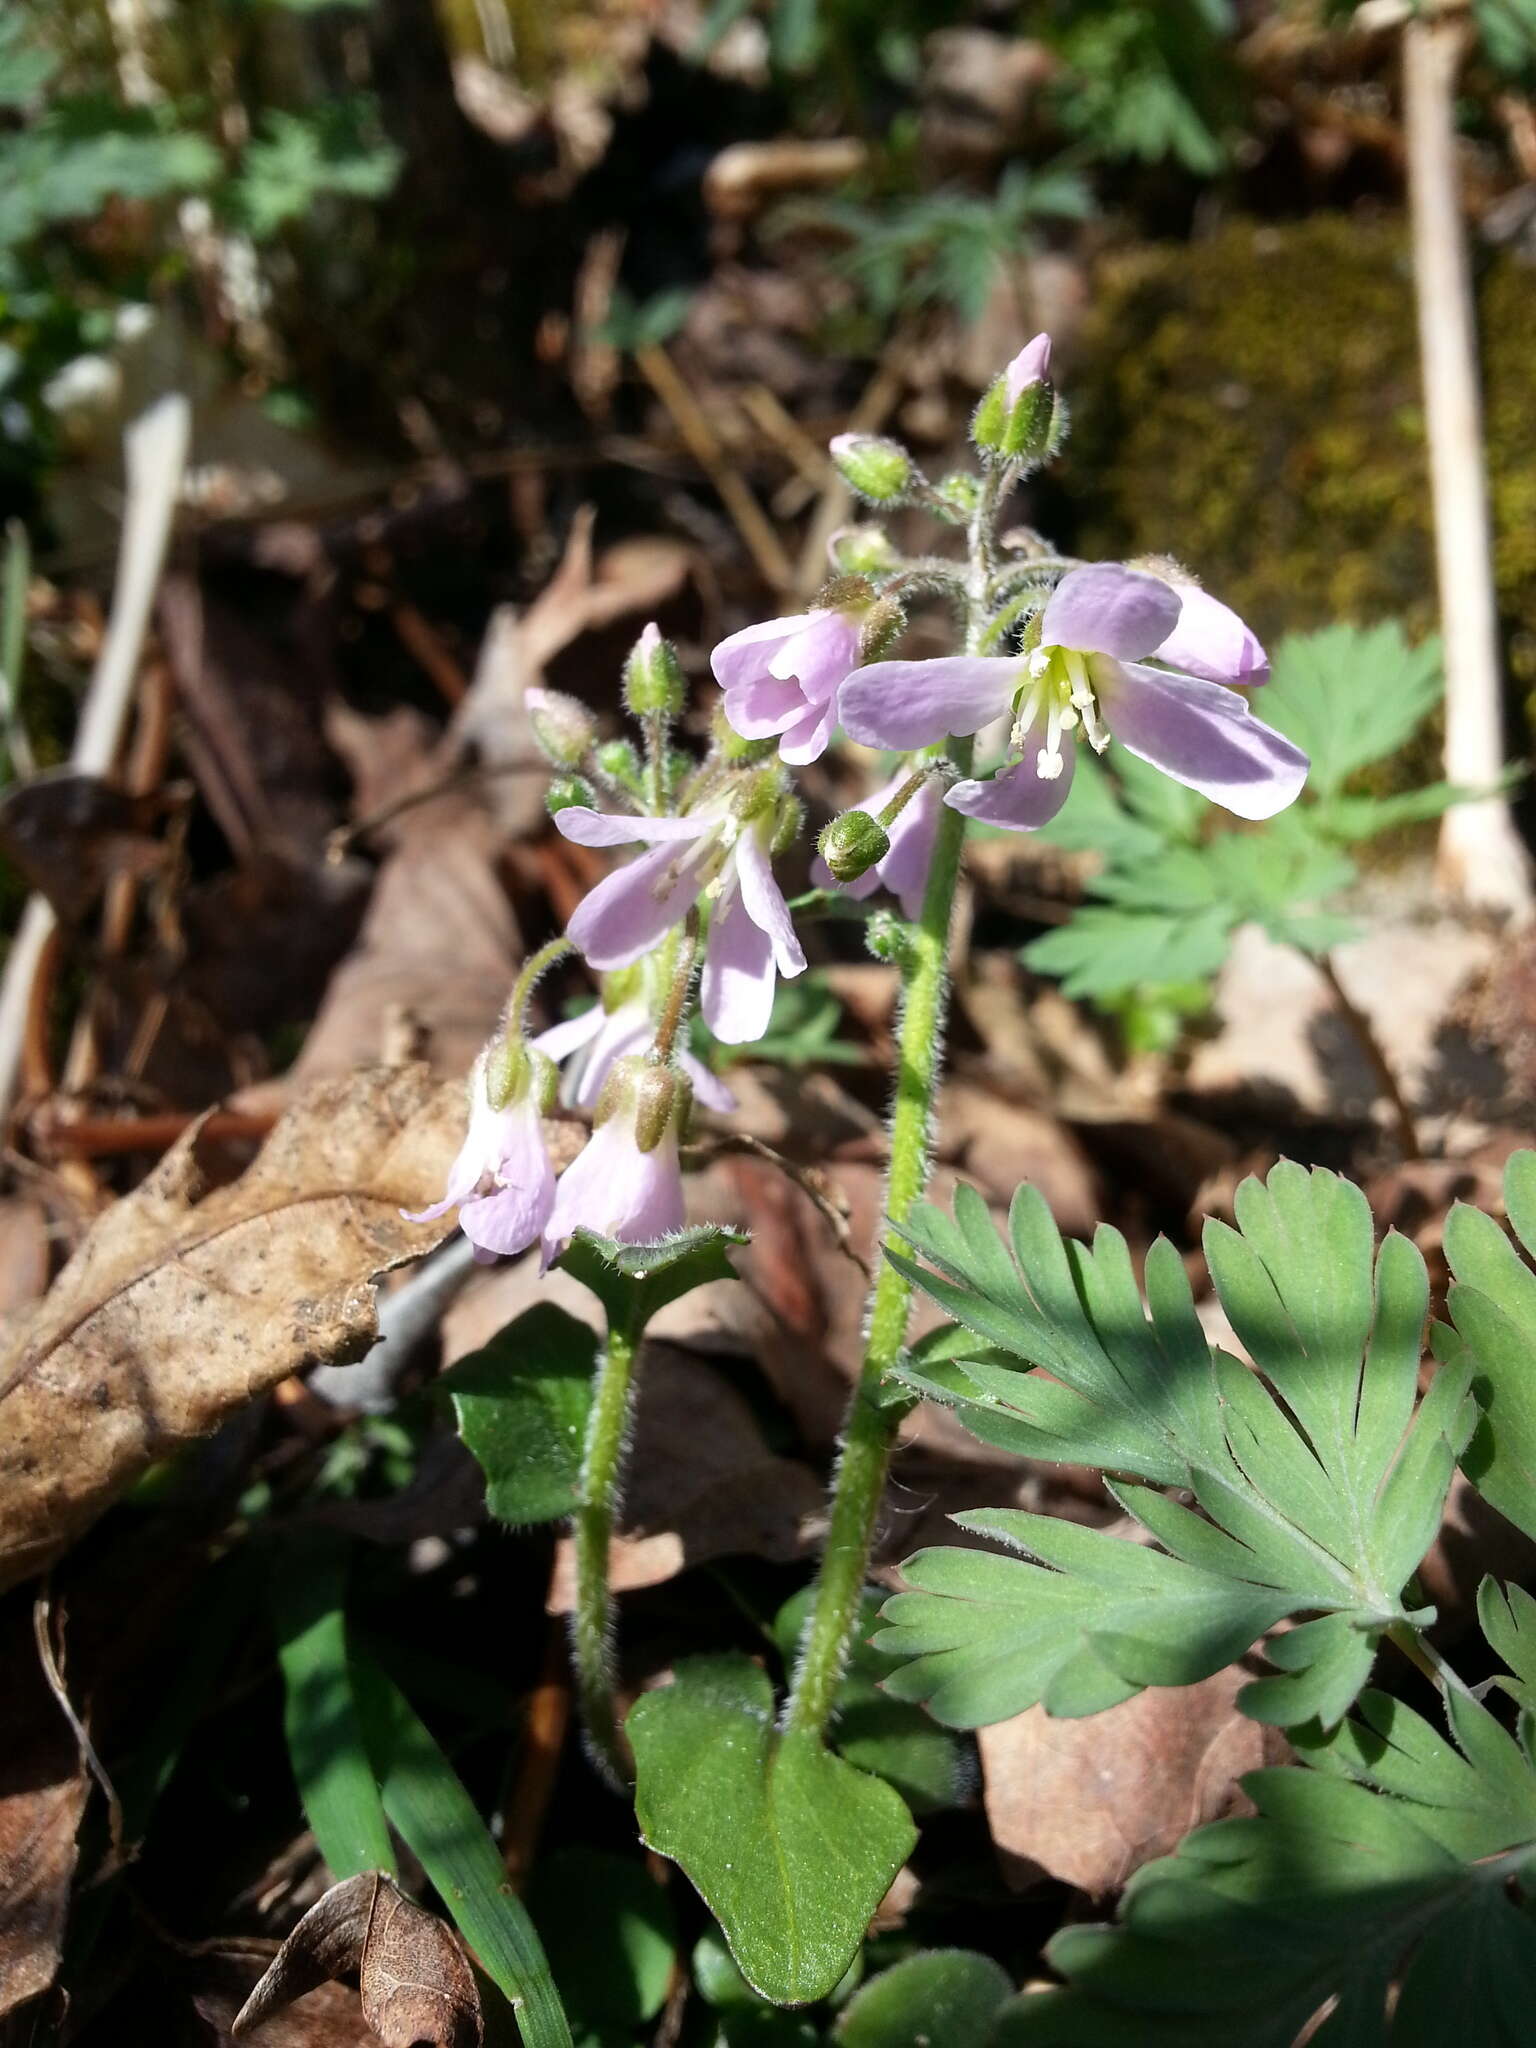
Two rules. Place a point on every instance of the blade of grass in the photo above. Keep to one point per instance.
(320, 1718)
(15, 580)
(436, 1816)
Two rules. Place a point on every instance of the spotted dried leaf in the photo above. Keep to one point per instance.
(183, 1303)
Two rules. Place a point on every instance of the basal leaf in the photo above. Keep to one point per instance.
(1350, 695)
(1508, 1618)
(939, 1998)
(1319, 1483)
(1378, 1882)
(1493, 1309)
(521, 1404)
(791, 1848)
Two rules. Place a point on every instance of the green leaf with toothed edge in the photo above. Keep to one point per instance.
(1492, 1306)
(636, 1281)
(521, 1404)
(1319, 1478)
(791, 1848)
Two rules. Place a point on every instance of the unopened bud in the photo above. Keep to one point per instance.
(862, 551)
(877, 468)
(957, 495)
(566, 791)
(787, 825)
(563, 728)
(620, 763)
(733, 748)
(851, 845)
(887, 938)
(1020, 418)
(879, 627)
(653, 677)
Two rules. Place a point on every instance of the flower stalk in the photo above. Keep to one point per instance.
(592, 1616)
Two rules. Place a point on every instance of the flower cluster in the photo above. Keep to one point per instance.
(1134, 654)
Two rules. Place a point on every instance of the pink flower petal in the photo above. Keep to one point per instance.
(810, 735)
(1211, 641)
(736, 988)
(615, 1189)
(913, 703)
(740, 656)
(1106, 608)
(707, 1085)
(820, 654)
(763, 706)
(561, 1040)
(1019, 800)
(629, 911)
(765, 905)
(1032, 365)
(607, 828)
(1203, 736)
(627, 1029)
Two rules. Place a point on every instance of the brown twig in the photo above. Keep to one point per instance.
(42, 1630)
(1386, 1079)
(103, 1137)
(807, 1179)
(692, 423)
(545, 1725)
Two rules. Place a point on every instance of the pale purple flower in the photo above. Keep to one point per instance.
(502, 1182)
(1032, 365)
(1211, 641)
(781, 678)
(586, 1048)
(1090, 670)
(616, 1188)
(751, 936)
(904, 868)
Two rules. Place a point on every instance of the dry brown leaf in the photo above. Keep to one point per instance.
(331, 2016)
(181, 1304)
(415, 1982)
(43, 1789)
(1090, 1801)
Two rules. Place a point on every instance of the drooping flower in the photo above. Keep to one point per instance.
(1091, 669)
(751, 935)
(781, 678)
(903, 868)
(626, 1183)
(502, 1182)
(587, 1047)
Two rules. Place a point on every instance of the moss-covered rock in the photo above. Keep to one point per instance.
(1251, 404)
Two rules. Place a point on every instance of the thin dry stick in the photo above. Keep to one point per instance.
(42, 1630)
(1386, 1078)
(805, 1178)
(1482, 860)
(752, 522)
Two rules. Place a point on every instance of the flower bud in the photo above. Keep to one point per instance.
(879, 627)
(563, 728)
(653, 677)
(957, 496)
(787, 825)
(1020, 417)
(733, 748)
(851, 845)
(877, 468)
(566, 792)
(862, 551)
(886, 937)
(620, 763)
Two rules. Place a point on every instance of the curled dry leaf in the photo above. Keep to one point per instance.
(1090, 1801)
(415, 1982)
(181, 1304)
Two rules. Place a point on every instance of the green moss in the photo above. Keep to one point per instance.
(1251, 405)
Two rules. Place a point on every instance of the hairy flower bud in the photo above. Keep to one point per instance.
(567, 792)
(563, 728)
(620, 763)
(734, 748)
(886, 937)
(862, 551)
(877, 468)
(653, 677)
(851, 845)
(1021, 418)
(508, 1071)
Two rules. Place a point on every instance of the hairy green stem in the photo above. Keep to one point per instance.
(534, 968)
(592, 1617)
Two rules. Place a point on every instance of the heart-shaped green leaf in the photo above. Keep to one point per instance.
(521, 1405)
(791, 1848)
(942, 1998)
